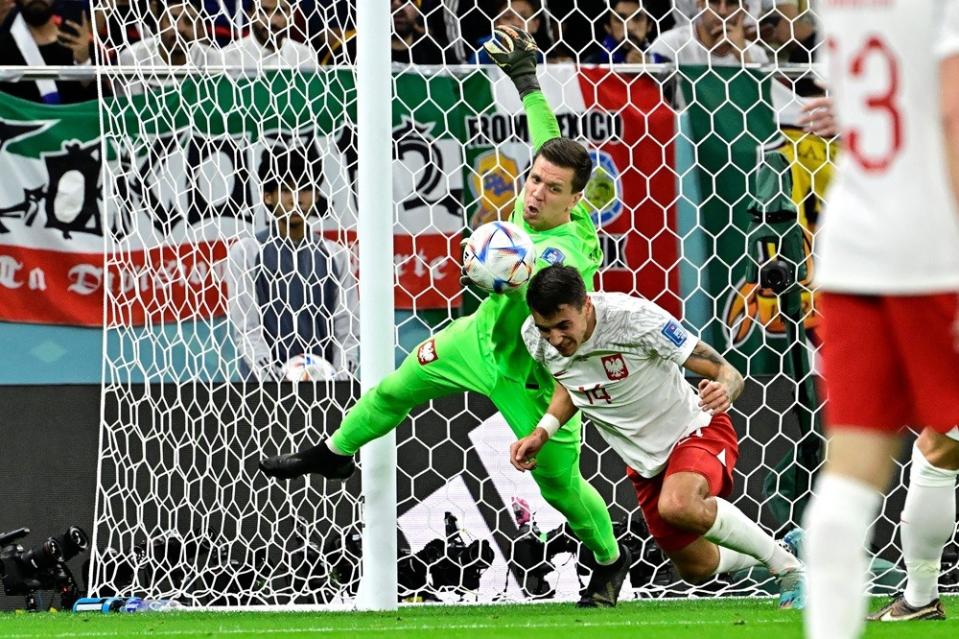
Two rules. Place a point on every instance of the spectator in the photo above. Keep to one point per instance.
(120, 24)
(38, 37)
(290, 291)
(685, 10)
(627, 27)
(788, 30)
(716, 35)
(181, 41)
(412, 43)
(524, 15)
(559, 53)
(268, 45)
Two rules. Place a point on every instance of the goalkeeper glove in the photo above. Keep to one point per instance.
(514, 51)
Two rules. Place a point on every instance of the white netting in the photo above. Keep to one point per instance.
(204, 307)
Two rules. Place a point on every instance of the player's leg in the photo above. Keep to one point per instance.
(695, 558)
(686, 503)
(847, 497)
(928, 517)
(563, 487)
(449, 362)
(928, 522)
(867, 405)
(697, 478)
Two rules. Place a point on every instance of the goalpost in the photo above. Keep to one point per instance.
(682, 159)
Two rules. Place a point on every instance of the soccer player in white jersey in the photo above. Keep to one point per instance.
(620, 360)
(888, 273)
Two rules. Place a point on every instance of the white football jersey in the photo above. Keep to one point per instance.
(628, 378)
(891, 224)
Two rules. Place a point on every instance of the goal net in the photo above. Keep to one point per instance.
(231, 308)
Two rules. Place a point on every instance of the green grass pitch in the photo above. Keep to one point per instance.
(699, 619)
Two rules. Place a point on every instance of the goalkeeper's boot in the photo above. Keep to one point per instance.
(606, 582)
(319, 459)
(899, 610)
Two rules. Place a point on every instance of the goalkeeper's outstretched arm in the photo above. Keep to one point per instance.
(514, 51)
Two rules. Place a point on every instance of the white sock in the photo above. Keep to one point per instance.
(731, 561)
(734, 530)
(837, 525)
(928, 523)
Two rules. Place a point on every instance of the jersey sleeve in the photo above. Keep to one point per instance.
(947, 42)
(658, 334)
(542, 122)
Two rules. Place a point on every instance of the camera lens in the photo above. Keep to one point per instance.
(74, 541)
(776, 275)
(43, 556)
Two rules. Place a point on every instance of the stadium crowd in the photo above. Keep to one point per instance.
(307, 34)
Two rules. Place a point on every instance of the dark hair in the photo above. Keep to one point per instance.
(568, 154)
(555, 286)
(292, 168)
(612, 15)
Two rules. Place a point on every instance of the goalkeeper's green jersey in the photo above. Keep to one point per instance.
(501, 316)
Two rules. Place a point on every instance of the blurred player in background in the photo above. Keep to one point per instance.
(888, 272)
(619, 359)
(484, 352)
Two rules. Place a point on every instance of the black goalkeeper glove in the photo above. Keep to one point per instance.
(514, 51)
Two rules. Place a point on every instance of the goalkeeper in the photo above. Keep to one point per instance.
(483, 352)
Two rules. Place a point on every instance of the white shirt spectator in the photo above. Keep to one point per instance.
(146, 55)
(680, 45)
(329, 326)
(250, 54)
(685, 10)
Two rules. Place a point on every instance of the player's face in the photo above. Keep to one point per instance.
(548, 195)
(567, 329)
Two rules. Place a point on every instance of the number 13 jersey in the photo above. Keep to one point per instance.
(890, 225)
(627, 378)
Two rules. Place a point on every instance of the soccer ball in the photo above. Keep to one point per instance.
(499, 257)
(308, 368)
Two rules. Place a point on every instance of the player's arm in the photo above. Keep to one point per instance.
(522, 453)
(722, 383)
(514, 51)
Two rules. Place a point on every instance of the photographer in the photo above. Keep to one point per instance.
(38, 36)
